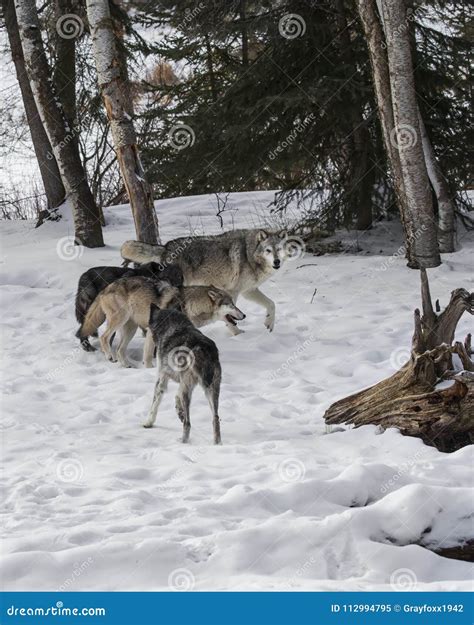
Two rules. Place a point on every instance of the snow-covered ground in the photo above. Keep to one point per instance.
(93, 501)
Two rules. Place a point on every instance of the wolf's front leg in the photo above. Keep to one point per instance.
(233, 329)
(148, 350)
(254, 295)
(160, 388)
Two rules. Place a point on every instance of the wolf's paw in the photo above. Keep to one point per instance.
(270, 322)
(111, 359)
(147, 425)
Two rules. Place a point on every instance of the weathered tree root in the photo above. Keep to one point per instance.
(408, 400)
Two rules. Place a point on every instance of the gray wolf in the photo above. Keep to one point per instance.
(189, 358)
(202, 305)
(238, 261)
(126, 305)
(96, 279)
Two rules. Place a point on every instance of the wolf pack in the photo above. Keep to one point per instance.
(172, 290)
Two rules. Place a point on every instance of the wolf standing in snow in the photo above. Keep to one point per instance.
(189, 358)
(126, 305)
(238, 261)
(96, 279)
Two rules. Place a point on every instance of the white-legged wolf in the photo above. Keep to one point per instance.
(238, 261)
(189, 358)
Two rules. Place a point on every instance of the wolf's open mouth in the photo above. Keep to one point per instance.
(231, 320)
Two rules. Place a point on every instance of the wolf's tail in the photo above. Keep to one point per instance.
(95, 317)
(86, 294)
(140, 253)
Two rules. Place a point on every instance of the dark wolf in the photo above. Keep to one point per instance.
(189, 358)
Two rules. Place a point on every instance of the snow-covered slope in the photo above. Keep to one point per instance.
(94, 501)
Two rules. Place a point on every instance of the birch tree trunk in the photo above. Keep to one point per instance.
(446, 217)
(48, 167)
(113, 83)
(87, 226)
(374, 35)
(446, 221)
(424, 245)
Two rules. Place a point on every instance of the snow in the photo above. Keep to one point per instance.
(95, 502)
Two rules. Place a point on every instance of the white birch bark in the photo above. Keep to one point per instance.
(113, 83)
(86, 215)
(407, 137)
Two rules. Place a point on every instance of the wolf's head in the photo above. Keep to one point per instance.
(271, 247)
(224, 307)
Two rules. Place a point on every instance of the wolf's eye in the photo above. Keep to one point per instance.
(268, 250)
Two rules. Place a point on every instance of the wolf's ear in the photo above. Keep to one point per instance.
(213, 293)
(283, 234)
(154, 310)
(261, 236)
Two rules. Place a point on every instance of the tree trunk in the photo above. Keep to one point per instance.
(446, 217)
(64, 75)
(360, 171)
(113, 83)
(87, 226)
(48, 167)
(245, 39)
(424, 251)
(446, 222)
(408, 399)
(371, 25)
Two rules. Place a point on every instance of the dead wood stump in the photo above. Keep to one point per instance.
(408, 399)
